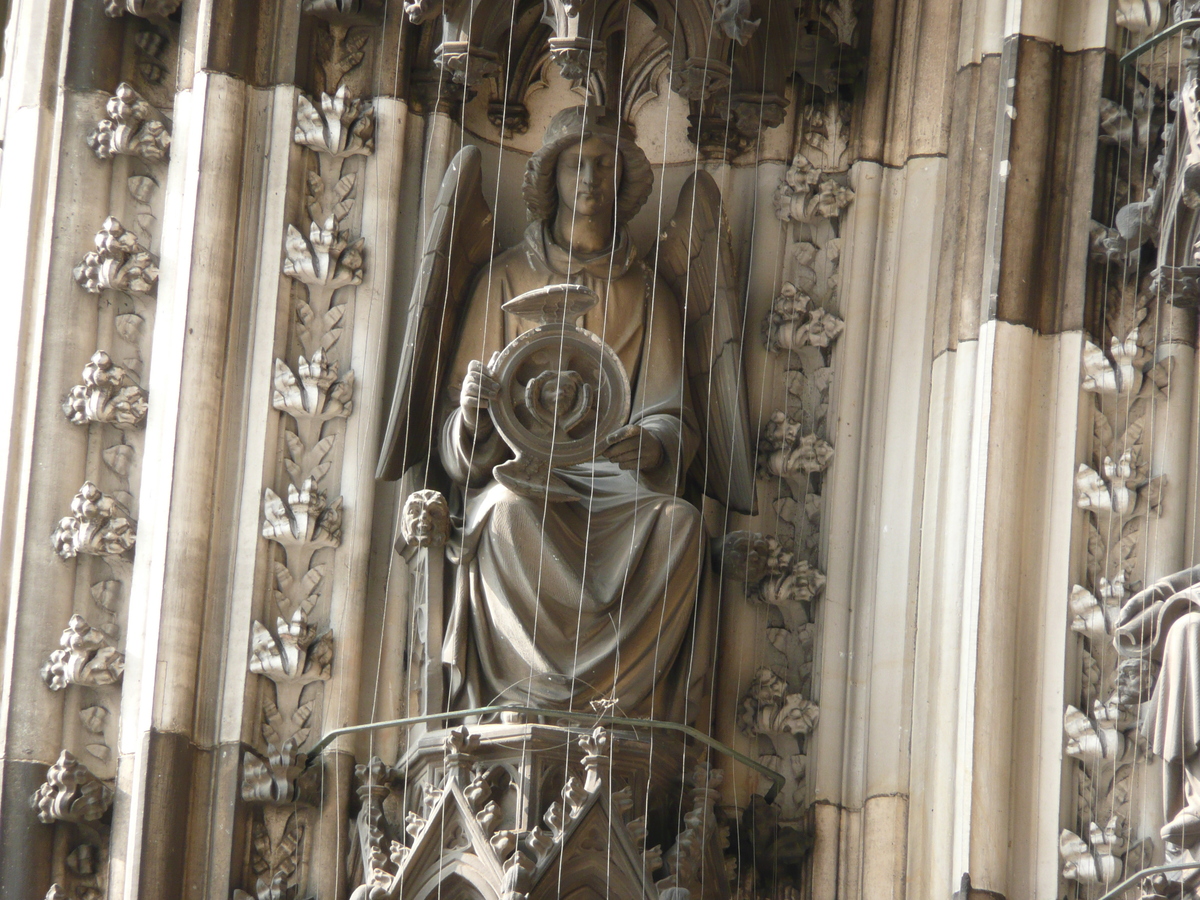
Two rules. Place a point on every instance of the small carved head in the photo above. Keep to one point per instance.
(426, 519)
(558, 399)
(588, 152)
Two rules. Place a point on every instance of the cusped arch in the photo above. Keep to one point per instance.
(457, 879)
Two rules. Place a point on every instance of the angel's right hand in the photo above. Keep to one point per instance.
(478, 390)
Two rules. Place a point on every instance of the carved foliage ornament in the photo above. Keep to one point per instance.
(768, 708)
(86, 655)
(326, 259)
(795, 321)
(340, 127)
(133, 128)
(71, 793)
(119, 262)
(108, 395)
(98, 526)
(298, 655)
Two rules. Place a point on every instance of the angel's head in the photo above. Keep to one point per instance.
(588, 164)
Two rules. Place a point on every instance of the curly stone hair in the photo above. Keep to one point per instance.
(570, 127)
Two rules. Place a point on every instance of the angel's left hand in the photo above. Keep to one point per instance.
(633, 447)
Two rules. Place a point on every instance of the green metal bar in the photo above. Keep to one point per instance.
(589, 719)
(1153, 870)
(1153, 42)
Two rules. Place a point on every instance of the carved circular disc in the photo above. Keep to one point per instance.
(562, 390)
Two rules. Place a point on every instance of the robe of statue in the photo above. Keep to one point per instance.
(558, 604)
(1169, 613)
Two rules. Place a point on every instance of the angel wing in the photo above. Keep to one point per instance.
(695, 258)
(459, 241)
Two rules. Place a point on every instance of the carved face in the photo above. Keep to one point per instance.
(425, 518)
(558, 394)
(587, 176)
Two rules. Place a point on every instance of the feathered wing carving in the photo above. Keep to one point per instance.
(695, 258)
(460, 239)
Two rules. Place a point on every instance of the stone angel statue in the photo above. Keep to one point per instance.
(1161, 623)
(600, 591)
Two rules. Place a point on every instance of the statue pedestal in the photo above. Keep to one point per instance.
(530, 811)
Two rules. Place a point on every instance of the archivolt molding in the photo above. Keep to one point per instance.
(119, 276)
(295, 655)
(781, 570)
(1128, 381)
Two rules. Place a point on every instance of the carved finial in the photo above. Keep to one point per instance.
(71, 793)
(459, 746)
(107, 395)
(595, 756)
(425, 521)
(518, 877)
(133, 128)
(119, 262)
(86, 656)
(98, 526)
